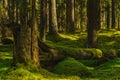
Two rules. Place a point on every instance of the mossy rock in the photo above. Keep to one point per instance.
(70, 66)
(97, 53)
(7, 40)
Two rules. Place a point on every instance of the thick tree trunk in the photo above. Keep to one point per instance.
(93, 23)
(27, 51)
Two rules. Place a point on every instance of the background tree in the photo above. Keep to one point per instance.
(53, 25)
(82, 12)
(43, 19)
(108, 14)
(113, 2)
(5, 32)
(70, 19)
(61, 15)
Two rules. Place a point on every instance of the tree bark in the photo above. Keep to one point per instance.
(93, 23)
(43, 20)
(113, 14)
(27, 50)
(53, 26)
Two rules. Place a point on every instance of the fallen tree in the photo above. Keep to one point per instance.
(58, 53)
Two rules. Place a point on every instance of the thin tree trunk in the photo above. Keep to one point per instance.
(118, 23)
(113, 14)
(43, 19)
(34, 36)
(53, 26)
(70, 19)
(108, 16)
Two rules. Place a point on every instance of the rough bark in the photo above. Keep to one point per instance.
(34, 36)
(26, 46)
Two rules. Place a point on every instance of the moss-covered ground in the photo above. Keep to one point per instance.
(69, 68)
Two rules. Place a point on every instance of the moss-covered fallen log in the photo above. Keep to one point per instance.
(50, 53)
(80, 53)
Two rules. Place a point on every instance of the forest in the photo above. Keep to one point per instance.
(59, 39)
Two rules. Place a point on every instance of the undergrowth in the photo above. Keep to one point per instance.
(108, 41)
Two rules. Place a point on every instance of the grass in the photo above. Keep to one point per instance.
(68, 43)
(109, 70)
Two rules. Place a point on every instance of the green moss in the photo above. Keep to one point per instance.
(80, 53)
(70, 45)
(71, 66)
(21, 74)
(109, 70)
(97, 53)
(54, 38)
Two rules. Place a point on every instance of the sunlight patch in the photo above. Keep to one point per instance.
(111, 43)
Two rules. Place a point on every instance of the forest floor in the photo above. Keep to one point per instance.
(90, 70)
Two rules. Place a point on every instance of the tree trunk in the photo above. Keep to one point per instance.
(70, 20)
(113, 14)
(118, 23)
(53, 26)
(82, 15)
(27, 51)
(34, 36)
(93, 23)
(108, 15)
(43, 19)
(4, 30)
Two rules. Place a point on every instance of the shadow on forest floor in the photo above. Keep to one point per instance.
(5, 57)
